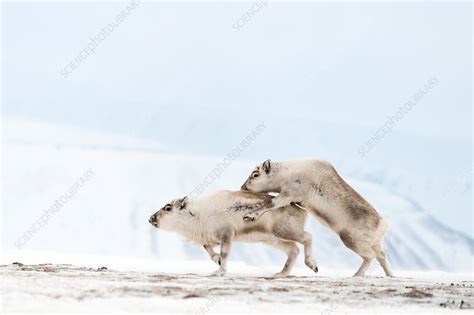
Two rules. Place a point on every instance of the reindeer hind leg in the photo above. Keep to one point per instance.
(291, 250)
(382, 259)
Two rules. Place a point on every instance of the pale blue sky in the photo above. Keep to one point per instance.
(351, 63)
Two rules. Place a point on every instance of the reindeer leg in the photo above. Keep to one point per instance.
(226, 237)
(291, 232)
(256, 214)
(382, 259)
(215, 257)
(291, 251)
(283, 199)
(363, 267)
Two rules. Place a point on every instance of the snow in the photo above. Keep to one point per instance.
(77, 283)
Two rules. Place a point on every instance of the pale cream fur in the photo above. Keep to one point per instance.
(316, 186)
(216, 219)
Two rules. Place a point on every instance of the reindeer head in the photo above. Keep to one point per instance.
(263, 179)
(171, 214)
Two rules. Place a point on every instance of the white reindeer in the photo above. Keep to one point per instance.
(216, 219)
(315, 185)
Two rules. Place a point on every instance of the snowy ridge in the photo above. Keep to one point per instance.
(24, 132)
(109, 215)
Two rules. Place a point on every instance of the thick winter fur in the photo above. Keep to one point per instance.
(315, 185)
(216, 219)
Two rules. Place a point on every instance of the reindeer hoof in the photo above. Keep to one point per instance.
(311, 263)
(250, 217)
(218, 273)
(217, 259)
(280, 275)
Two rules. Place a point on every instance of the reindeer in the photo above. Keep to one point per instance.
(315, 185)
(215, 219)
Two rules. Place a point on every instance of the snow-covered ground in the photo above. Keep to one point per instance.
(51, 282)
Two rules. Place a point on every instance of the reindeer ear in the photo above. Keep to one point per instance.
(267, 166)
(182, 202)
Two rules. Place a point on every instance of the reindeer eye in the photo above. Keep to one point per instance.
(167, 208)
(255, 175)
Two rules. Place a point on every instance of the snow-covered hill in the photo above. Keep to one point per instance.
(108, 215)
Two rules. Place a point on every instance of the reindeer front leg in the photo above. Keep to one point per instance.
(215, 257)
(226, 237)
(287, 196)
